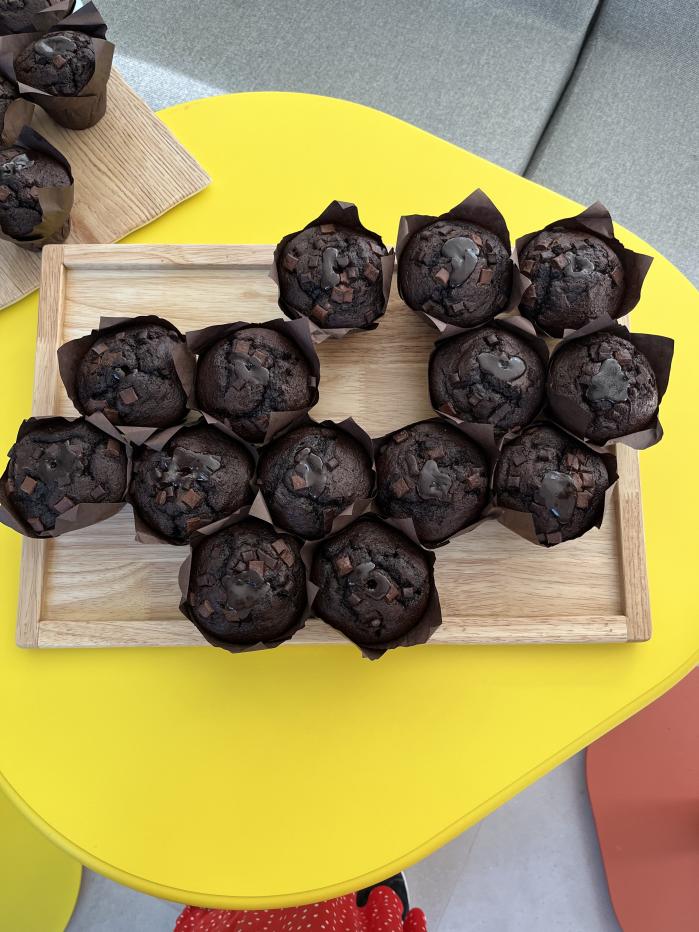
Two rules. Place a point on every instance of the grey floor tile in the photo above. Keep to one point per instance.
(485, 76)
(104, 906)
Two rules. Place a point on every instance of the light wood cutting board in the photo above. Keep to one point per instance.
(99, 588)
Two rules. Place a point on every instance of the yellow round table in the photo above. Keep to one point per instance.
(39, 883)
(280, 777)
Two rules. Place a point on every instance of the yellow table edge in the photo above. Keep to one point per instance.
(192, 898)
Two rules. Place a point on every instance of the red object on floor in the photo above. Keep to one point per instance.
(382, 913)
(643, 780)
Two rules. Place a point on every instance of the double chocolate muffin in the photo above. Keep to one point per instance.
(558, 481)
(56, 466)
(198, 477)
(610, 382)
(22, 173)
(457, 272)
(244, 377)
(59, 63)
(130, 376)
(333, 275)
(576, 278)
(374, 582)
(491, 376)
(434, 474)
(247, 584)
(18, 15)
(310, 475)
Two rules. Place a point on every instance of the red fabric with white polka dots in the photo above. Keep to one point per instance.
(382, 913)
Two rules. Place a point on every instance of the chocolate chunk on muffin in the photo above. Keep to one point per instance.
(333, 275)
(244, 377)
(558, 481)
(431, 472)
(247, 584)
(23, 172)
(609, 380)
(18, 15)
(490, 376)
(457, 272)
(55, 466)
(576, 278)
(310, 475)
(374, 582)
(131, 377)
(58, 63)
(198, 477)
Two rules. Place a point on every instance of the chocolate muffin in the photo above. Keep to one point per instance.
(59, 63)
(247, 584)
(434, 474)
(609, 380)
(333, 275)
(374, 582)
(130, 376)
(22, 173)
(576, 278)
(18, 15)
(491, 376)
(457, 272)
(558, 481)
(310, 475)
(199, 476)
(55, 466)
(246, 376)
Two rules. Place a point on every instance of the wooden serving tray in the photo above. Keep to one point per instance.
(128, 170)
(99, 588)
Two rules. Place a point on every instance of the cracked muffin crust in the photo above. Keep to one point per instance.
(491, 376)
(576, 278)
(609, 380)
(310, 475)
(244, 377)
(557, 480)
(17, 15)
(333, 275)
(57, 466)
(457, 272)
(374, 582)
(59, 63)
(131, 377)
(247, 583)
(22, 173)
(199, 476)
(434, 474)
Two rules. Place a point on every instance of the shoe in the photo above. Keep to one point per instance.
(397, 883)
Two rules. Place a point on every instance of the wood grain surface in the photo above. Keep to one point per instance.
(99, 588)
(128, 170)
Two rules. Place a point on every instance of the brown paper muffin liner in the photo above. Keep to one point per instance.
(484, 437)
(56, 203)
(89, 106)
(476, 208)
(522, 522)
(658, 351)
(597, 220)
(521, 328)
(349, 426)
(81, 515)
(18, 115)
(341, 213)
(432, 617)
(71, 354)
(53, 15)
(298, 331)
(156, 440)
(258, 509)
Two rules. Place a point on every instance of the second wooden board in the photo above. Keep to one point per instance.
(99, 588)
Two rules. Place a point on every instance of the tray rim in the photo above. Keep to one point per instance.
(32, 631)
